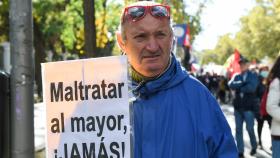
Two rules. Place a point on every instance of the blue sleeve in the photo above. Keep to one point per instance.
(219, 139)
(250, 84)
(236, 82)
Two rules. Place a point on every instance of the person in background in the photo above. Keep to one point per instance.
(273, 107)
(206, 79)
(245, 102)
(222, 88)
(262, 86)
(173, 114)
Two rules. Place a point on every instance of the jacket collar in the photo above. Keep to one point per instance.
(171, 77)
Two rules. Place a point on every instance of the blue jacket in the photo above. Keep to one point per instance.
(175, 116)
(245, 86)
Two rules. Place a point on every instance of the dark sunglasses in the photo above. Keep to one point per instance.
(136, 13)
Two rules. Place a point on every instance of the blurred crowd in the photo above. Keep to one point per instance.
(249, 91)
(217, 85)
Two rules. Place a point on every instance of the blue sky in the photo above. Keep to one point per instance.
(218, 18)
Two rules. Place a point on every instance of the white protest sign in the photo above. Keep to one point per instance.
(87, 108)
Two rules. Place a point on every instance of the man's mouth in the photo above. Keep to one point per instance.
(151, 56)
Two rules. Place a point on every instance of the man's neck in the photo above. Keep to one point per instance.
(137, 77)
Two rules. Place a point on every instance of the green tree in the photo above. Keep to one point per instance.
(259, 33)
(224, 48)
(208, 56)
(4, 21)
(61, 23)
(59, 27)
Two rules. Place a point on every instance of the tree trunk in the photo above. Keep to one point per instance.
(40, 55)
(89, 29)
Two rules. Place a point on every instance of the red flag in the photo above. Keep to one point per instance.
(187, 40)
(232, 64)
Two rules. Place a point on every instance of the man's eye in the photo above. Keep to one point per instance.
(140, 37)
(160, 34)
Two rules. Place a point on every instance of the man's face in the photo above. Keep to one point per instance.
(148, 44)
(244, 66)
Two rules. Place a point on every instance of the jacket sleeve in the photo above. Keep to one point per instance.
(220, 140)
(250, 84)
(236, 82)
(273, 99)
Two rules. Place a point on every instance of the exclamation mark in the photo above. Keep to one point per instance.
(55, 152)
(123, 148)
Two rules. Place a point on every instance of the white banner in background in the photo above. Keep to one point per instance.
(87, 108)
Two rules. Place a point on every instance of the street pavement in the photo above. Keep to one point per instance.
(40, 126)
(266, 139)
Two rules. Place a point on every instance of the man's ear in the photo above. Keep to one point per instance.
(120, 41)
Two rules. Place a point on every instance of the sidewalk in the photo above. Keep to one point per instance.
(39, 126)
(266, 139)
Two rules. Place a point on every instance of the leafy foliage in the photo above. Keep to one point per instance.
(221, 52)
(59, 27)
(259, 34)
(61, 23)
(4, 20)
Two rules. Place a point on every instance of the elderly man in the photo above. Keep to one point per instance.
(174, 116)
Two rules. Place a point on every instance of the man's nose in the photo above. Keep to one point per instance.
(152, 45)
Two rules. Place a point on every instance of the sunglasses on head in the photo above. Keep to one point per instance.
(136, 13)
